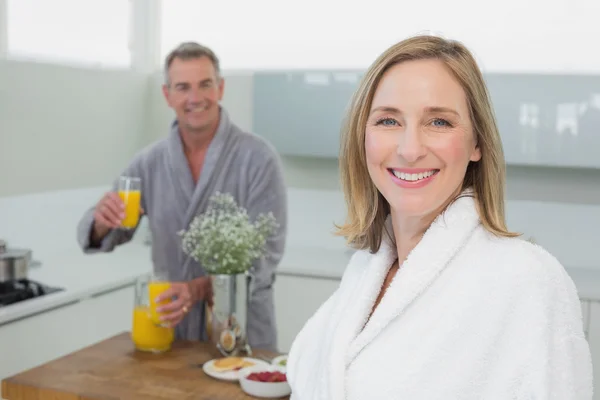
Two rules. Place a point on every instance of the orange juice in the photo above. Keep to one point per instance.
(154, 289)
(132, 199)
(146, 335)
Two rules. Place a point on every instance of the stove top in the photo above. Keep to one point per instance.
(21, 290)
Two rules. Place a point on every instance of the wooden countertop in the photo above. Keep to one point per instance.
(112, 370)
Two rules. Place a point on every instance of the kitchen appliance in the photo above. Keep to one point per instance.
(14, 263)
(15, 291)
(15, 286)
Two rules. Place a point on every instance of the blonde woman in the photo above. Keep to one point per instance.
(441, 300)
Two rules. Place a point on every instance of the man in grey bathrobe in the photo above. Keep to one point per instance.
(203, 153)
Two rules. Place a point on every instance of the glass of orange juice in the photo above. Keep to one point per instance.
(157, 285)
(130, 192)
(145, 334)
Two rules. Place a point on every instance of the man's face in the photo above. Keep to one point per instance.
(194, 92)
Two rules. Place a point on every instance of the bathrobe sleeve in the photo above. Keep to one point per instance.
(266, 194)
(563, 370)
(561, 365)
(115, 237)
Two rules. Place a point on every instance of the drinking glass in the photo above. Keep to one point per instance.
(145, 334)
(130, 192)
(157, 285)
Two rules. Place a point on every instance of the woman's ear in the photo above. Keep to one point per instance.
(475, 154)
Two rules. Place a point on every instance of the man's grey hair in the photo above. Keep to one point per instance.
(190, 51)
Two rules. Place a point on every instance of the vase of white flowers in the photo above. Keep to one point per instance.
(226, 243)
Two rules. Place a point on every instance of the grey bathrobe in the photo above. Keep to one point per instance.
(237, 162)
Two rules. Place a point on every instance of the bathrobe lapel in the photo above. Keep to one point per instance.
(351, 332)
(194, 197)
(352, 310)
(442, 241)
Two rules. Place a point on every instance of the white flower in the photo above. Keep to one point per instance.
(223, 239)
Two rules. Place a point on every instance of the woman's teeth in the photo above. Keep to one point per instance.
(413, 177)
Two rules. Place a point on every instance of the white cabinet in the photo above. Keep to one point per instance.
(585, 313)
(38, 339)
(559, 130)
(593, 335)
(297, 298)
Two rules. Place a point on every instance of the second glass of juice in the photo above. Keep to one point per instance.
(157, 285)
(130, 192)
(145, 334)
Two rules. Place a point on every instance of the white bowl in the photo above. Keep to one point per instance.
(278, 359)
(263, 389)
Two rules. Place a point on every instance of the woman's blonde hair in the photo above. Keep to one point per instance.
(367, 208)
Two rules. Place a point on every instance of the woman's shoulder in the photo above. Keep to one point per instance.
(531, 278)
(523, 261)
(520, 250)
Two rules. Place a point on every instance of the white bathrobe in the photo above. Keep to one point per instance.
(467, 316)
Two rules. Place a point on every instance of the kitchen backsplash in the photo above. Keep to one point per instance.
(46, 223)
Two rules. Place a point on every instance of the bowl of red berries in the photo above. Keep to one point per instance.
(264, 381)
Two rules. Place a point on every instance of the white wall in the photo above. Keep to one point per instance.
(63, 127)
(562, 185)
(85, 125)
(543, 203)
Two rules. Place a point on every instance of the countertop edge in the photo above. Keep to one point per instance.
(64, 298)
(310, 263)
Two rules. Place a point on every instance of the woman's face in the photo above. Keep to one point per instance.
(419, 138)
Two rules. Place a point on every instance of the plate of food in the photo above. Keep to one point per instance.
(227, 368)
(280, 361)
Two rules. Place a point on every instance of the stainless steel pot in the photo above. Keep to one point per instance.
(14, 263)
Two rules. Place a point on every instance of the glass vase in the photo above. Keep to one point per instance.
(226, 320)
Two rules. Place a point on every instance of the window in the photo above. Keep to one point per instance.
(93, 32)
(506, 36)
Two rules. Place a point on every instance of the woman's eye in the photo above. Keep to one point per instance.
(386, 122)
(440, 123)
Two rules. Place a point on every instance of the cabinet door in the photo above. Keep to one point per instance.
(108, 314)
(585, 313)
(593, 336)
(296, 300)
(38, 339)
(306, 115)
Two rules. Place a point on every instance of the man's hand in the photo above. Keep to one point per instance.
(109, 211)
(108, 214)
(184, 295)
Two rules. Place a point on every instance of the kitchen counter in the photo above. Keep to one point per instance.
(88, 275)
(112, 369)
(81, 276)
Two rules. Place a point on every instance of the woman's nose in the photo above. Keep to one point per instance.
(410, 144)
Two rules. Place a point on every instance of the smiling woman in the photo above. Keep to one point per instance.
(429, 113)
(437, 277)
(419, 136)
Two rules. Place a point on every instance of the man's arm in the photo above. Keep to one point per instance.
(267, 193)
(93, 238)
